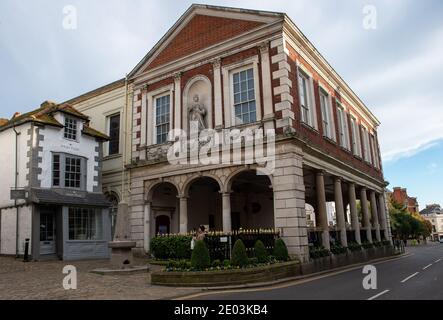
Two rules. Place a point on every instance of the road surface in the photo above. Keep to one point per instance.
(416, 276)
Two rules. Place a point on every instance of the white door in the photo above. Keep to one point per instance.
(47, 233)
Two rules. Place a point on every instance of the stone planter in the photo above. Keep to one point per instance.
(339, 260)
(226, 277)
(357, 256)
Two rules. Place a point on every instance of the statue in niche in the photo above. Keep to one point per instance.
(197, 113)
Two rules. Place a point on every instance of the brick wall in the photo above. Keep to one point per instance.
(313, 136)
(202, 32)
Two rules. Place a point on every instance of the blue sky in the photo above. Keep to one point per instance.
(397, 69)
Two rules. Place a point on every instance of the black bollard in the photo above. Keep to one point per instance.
(26, 256)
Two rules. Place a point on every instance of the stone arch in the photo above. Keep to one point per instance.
(185, 189)
(150, 188)
(251, 199)
(203, 86)
(231, 177)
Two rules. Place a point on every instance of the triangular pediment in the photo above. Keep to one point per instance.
(202, 27)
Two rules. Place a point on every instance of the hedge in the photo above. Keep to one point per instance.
(177, 247)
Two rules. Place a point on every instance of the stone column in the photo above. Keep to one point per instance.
(374, 212)
(147, 226)
(226, 205)
(365, 211)
(354, 214)
(321, 205)
(383, 217)
(183, 214)
(289, 200)
(339, 211)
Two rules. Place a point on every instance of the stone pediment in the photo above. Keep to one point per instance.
(202, 27)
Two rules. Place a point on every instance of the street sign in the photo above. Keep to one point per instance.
(223, 239)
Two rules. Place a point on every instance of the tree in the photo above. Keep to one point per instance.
(407, 225)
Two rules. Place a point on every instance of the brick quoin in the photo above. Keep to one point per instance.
(316, 137)
(202, 32)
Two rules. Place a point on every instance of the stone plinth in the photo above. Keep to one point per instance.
(121, 256)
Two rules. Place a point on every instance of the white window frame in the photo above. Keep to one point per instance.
(312, 113)
(238, 71)
(228, 89)
(62, 170)
(330, 134)
(366, 145)
(155, 116)
(148, 134)
(77, 127)
(356, 138)
(343, 128)
(376, 160)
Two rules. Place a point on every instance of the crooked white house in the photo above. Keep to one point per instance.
(50, 190)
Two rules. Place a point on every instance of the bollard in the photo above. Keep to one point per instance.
(26, 256)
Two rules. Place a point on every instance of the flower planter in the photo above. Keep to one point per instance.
(339, 260)
(226, 277)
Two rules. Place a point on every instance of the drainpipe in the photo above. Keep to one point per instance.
(15, 186)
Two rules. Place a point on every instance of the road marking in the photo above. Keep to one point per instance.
(411, 276)
(291, 283)
(424, 268)
(378, 295)
(436, 261)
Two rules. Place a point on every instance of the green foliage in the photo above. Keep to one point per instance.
(318, 252)
(239, 257)
(405, 224)
(280, 250)
(200, 256)
(174, 247)
(354, 246)
(226, 263)
(367, 245)
(378, 244)
(253, 261)
(260, 252)
(178, 265)
(386, 242)
(338, 249)
(216, 263)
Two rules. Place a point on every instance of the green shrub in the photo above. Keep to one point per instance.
(239, 257)
(354, 246)
(338, 249)
(173, 247)
(200, 256)
(386, 242)
(260, 252)
(226, 263)
(318, 252)
(253, 261)
(378, 244)
(216, 263)
(367, 245)
(280, 250)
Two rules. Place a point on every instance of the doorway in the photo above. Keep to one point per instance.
(47, 233)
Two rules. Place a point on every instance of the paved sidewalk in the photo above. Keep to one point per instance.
(44, 280)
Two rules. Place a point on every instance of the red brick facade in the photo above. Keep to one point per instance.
(313, 136)
(201, 32)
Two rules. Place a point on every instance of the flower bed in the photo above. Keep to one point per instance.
(233, 276)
